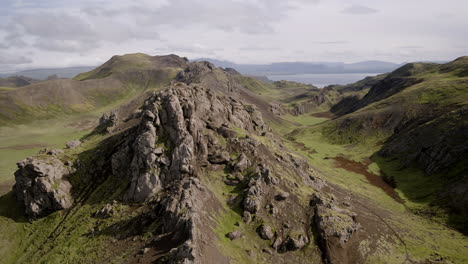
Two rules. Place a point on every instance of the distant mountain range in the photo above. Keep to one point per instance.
(277, 68)
(285, 68)
(43, 74)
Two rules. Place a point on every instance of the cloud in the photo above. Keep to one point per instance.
(88, 32)
(359, 10)
(10, 59)
(332, 42)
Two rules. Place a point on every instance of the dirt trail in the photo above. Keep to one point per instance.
(361, 168)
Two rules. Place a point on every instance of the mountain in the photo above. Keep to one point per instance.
(16, 81)
(205, 165)
(417, 116)
(286, 68)
(43, 74)
(121, 78)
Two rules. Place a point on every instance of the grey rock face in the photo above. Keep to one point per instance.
(265, 232)
(242, 163)
(73, 144)
(41, 186)
(108, 122)
(179, 116)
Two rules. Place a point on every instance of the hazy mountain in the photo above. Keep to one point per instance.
(43, 74)
(280, 68)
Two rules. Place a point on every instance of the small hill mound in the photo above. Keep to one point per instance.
(16, 81)
(120, 78)
(132, 62)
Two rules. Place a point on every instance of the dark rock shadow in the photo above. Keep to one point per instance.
(9, 208)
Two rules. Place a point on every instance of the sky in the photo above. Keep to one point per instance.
(64, 33)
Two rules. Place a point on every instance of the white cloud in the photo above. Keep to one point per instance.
(359, 10)
(88, 32)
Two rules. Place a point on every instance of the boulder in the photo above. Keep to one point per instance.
(265, 232)
(282, 196)
(234, 235)
(73, 144)
(41, 186)
(221, 157)
(242, 163)
(291, 244)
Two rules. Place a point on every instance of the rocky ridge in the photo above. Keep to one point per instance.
(184, 134)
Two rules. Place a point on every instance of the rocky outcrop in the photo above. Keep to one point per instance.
(73, 144)
(42, 187)
(265, 232)
(178, 142)
(176, 119)
(325, 97)
(335, 227)
(108, 122)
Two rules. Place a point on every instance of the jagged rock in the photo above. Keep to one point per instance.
(41, 186)
(277, 109)
(226, 132)
(265, 232)
(106, 212)
(252, 201)
(108, 122)
(238, 176)
(73, 144)
(335, 225)
(265, 173)
(158, 151)
(247, 217)
(242, 163)
(282, 196)
(55, 152)
(291, 244)
(231, 182)
(234, 235)
(219, 158)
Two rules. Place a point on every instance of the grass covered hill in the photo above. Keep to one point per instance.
(119, 78)
(416, 115)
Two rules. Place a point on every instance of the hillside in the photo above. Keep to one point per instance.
(204, 165)
(15, 81)
(416, 115)
(88, 91)
(43, 74)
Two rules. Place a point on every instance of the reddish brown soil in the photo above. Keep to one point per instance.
(27, 146)
(373, 179)
(303, 147)
(324, 114)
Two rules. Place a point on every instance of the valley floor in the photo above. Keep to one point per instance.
(420, 229)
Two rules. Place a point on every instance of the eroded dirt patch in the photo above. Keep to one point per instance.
(361, 168)
(303, 147)
(26, 146)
